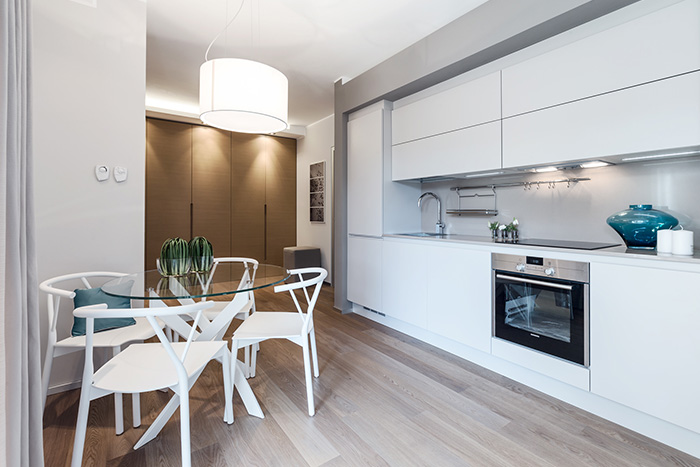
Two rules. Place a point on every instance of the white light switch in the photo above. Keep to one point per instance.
(120, 173)
(101, 172)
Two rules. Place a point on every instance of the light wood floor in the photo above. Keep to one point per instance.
(383, 398)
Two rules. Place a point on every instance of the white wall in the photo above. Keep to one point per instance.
(315, 147)
(89, 94)
(579, 212)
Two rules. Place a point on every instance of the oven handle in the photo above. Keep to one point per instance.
(535, 282)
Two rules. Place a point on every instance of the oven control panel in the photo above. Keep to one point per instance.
(540, 266)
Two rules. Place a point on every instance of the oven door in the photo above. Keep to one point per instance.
(548, 315)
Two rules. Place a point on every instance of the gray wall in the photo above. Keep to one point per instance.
(578, 212)
(492, 31)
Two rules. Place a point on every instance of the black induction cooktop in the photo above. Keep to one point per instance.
(573, 244)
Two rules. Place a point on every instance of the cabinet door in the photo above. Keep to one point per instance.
(365, 174)
(660, 115)
(404, 276)
(469, 150)
(365, 271)
(644, 340)
(247, 196)
(661, 44)
(459, 295)
(280, 197)
(168, 184)
(211, 187)
(465, 105)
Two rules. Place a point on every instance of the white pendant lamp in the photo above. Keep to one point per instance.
(242, 95)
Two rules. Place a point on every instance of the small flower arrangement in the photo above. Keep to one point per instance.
(493, 225)
(513, 226)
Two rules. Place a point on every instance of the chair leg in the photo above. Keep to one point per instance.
(314, 355)
(118, 404)
(46, 375)
(253, 360)
(246, 360)
(81, 426)
(307, 374)
(185, 425)
(136, 409)
(228, 386)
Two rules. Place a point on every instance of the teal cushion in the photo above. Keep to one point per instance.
(86, 297)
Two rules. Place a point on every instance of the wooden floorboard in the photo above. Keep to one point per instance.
(383, 398)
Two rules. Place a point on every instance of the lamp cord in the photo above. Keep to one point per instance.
(206, 54)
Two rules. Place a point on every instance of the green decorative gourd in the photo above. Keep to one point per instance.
(202, 254)
(175, 257)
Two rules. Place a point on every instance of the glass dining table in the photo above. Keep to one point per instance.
(224, 280)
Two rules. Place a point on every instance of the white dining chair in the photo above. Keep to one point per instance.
(151, 366)
(296, 326)
(62, 287)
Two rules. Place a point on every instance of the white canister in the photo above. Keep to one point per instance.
(682, 242)
(664, 241)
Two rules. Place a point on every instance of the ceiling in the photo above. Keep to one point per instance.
(313, 42)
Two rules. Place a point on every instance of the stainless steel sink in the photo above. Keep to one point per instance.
(425, 234)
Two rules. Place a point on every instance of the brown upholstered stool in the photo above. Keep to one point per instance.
(301, 257)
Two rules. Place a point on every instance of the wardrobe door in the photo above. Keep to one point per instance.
(211, 187)
(248, 196)
(168, 184)
(280, 197)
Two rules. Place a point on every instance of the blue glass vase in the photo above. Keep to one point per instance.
(638, 225)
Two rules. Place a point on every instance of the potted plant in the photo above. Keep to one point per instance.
(512, 230)
(493, 227)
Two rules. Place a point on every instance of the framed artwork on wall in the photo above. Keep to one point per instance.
(317, 190)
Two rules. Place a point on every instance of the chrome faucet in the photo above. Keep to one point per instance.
(439, 226)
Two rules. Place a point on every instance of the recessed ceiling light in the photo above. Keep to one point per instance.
(546, 169)
(594, 164)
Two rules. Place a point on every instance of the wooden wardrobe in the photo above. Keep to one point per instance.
(237, 190)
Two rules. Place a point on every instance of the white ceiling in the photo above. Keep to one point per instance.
(313, 42)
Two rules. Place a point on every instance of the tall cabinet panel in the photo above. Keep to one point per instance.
(280, 202)
(168, 184)
(211, 187)
(247, 196)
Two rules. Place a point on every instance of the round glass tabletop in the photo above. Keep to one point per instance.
(224, 278)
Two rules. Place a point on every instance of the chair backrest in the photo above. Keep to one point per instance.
(166, 313)
(55, 289)
(315, 282)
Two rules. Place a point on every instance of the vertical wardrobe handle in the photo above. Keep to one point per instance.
(191, 219)
(265, 231)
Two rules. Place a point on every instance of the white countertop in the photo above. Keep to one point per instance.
(649, 258)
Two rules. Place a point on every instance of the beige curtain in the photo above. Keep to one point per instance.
(20, 364)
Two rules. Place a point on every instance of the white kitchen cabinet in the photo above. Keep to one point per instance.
(459, 295)
(473, 149)
(404, 276)
(644, 340)
(365, 170)
(365, 271)
(465, 105)
(661, 44)
(660, 115)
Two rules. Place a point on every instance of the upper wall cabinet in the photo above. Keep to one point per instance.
(656, 116)
(451, 132)
(466, 105)
(661, 44)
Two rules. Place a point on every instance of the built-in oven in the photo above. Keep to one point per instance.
(542, 304)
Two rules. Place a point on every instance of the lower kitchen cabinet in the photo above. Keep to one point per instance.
(644, 340)
(459, 295)
(404, 277)
(365, 271)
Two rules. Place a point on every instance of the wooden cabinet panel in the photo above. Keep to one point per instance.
(168, 184)
(247, 196)
(211, 187)
(280, 199)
